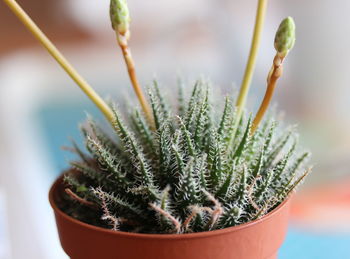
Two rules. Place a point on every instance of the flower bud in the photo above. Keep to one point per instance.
(285, 36)
(120, 17)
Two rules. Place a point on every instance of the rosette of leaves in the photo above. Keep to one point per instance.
(196, 170)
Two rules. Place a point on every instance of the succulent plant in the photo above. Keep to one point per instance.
(182, 176)
(190, 168)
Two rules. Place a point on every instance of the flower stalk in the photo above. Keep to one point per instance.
(249, 70)
(120, 19)
(284, 42)
(63, 62)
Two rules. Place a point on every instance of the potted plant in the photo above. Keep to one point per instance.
(199, 180)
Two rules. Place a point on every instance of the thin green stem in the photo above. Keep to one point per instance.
(57, 55)
(260, 17)
(242, 97)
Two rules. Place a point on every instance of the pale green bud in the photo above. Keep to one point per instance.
(120, 17)
(285, 36)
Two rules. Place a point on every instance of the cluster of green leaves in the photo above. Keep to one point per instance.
(197, 170)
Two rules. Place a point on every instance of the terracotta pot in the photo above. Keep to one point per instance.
(254, 240)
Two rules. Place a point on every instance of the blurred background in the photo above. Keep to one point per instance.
(40, 107)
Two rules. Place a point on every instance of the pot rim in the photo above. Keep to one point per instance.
(224, 231)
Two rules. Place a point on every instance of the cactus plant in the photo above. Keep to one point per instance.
(193, 167)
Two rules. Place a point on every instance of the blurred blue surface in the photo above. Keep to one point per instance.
(304, 245)
(60, 122)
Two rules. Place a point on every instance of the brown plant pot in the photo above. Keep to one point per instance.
(259, 239)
